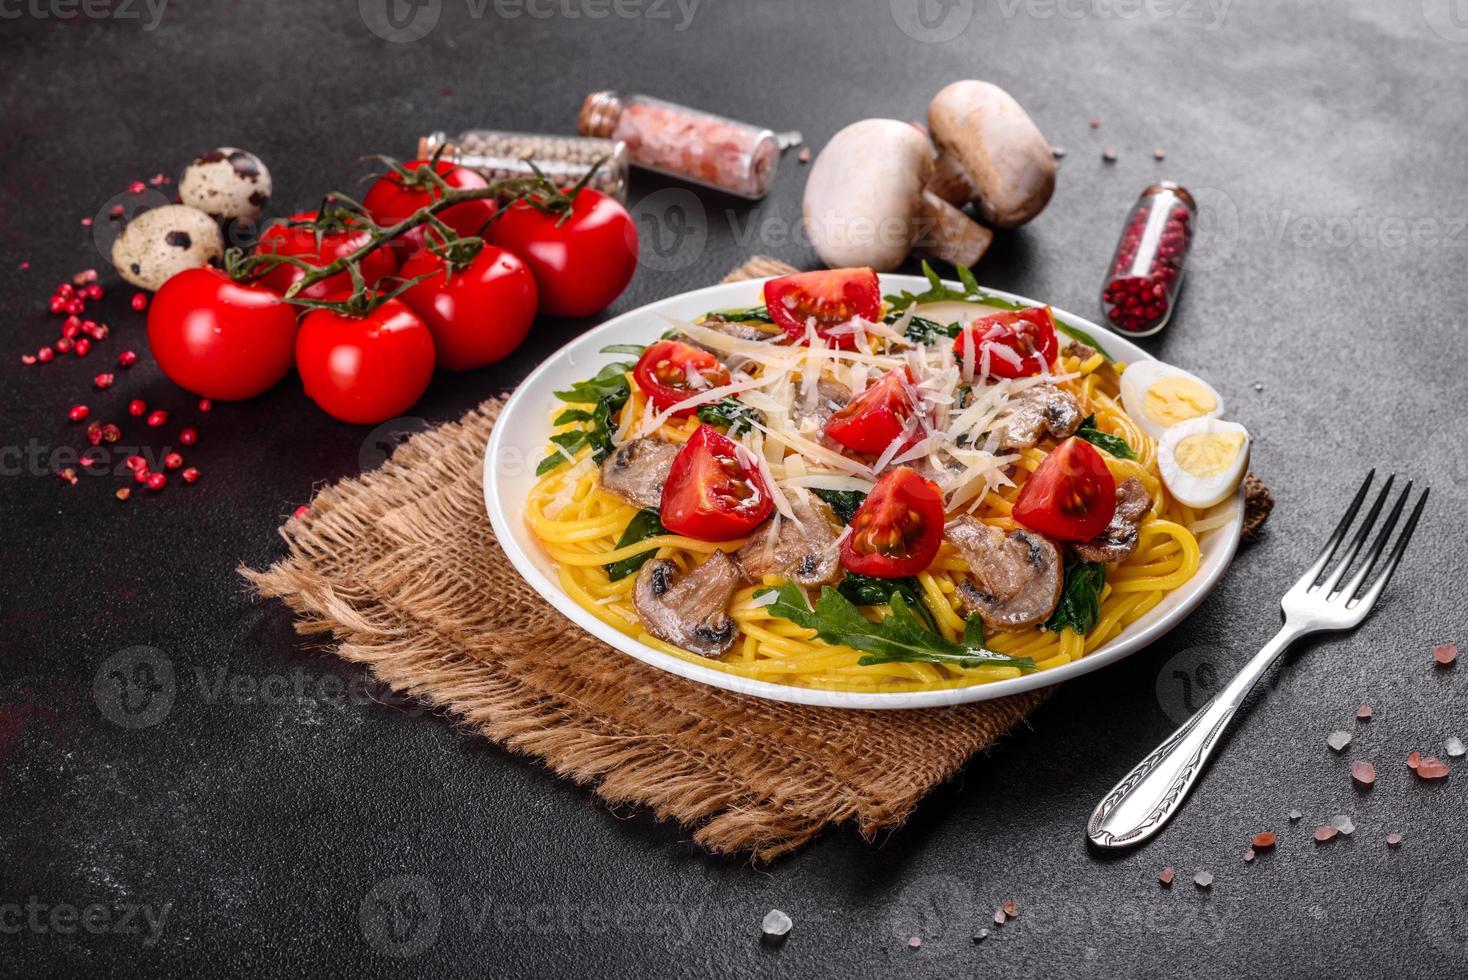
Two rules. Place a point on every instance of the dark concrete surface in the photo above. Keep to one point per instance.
(273, 814)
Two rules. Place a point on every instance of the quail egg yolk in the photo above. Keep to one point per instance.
(1208, 453)
(1172, 400)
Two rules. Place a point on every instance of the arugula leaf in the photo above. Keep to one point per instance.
(644, 524)
(607, 391)
(973, 631)
(843, 502)
(633, 349)
(754, 314)
(729, 413)
(1115, 445)
(866, 590)
(610, 382)
(1080, 598)
(939, 291)
(899, 638)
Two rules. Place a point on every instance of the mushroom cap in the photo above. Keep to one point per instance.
(863, 192)
(1004, 152)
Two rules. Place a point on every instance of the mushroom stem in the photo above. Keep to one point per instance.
(948, 234)
(951, 180)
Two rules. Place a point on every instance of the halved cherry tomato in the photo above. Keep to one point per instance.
(897, 530)
(712, 494)
(300, 242)
(870, 421)
(1071, 496)
(670, 372)
(1023, 336)
(832, 297)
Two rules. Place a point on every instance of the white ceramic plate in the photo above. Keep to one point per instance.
(520, 437)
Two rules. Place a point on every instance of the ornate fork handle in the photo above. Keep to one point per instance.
(1144, 800)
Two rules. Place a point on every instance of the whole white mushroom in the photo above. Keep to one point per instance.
(226, 183)
(157, 244)
(991, 153)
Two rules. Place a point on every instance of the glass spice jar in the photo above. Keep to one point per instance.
(500, 155)
(675, 140)
(1147, 267)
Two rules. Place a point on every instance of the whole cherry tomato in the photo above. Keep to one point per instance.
(582, 263)
(1071, 496)
(220, 338)
(390, 199)
(670, 372)
(870, 421)
(831, 298)
(1019, 343)
(365, 369)
(898, 529)
(478, 313)
(714, 491)
(283, 239)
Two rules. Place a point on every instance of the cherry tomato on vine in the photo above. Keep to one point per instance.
(898, 529)
(870, 421)
(390, 199)
(830, 297)
(714, 491)
(1071, 496)
(283, 239)
(1019, 343)
(220, 338)
(669, 372)
(478, 313)
(582, 264)
(367, 368)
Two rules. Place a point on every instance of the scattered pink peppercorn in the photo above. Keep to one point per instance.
(140, 301)
(93, 291)
(67, 475)
(205, 404)
(64, 345)
(76, 307)
(82, 346)
(136, 187)
(27, 359)
(86, 222)
(84, 277)
(157, 481)
(45, 355)
(137, 407)
(136, 463)
(70, 327)
(127, 359)
(111, 433)
(103, 381)
(300, 512)
(190, 475)
(157, 418)
(94, 433)
(188, 437)
(122, 493)
(141, 476)
(172, 461)
(78, 412)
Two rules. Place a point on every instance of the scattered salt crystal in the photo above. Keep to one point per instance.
(1057, 152)
(1393, 840)
(1203, 879)
(1363, 774)
(1445, 654)
(1343, 823)
(1338, 740)
(804, 155)
(1109, 154)
(914, 942)
(1258, 386)
(1165, 877)
(775, 923)
(981, 935)
(1295, 816)
(1010, 907)
(1363, 713)
(1095, 123)
(1325, 834)
(1264, 841)
(1249, 855)
(1432, 769)
(1000, 918)
(1159, 153)
(1455, 747)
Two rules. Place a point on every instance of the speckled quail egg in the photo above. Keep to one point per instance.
(159, 243)
(1202, 460)
(1159, 396)
(226, 183)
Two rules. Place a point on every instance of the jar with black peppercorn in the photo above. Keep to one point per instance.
(564, 160)
(1147, 268)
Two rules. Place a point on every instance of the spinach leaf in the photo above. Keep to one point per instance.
(644, 524)
(843, 502)
(866, 590)
(921, 330)
(729, 413)
(899, 638)
(754, 314)
(607, 392)
(1080, 598)
(635, 350)
(1115, 445)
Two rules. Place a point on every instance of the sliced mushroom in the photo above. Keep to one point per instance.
(863, 202)
(740, 331)
(1016, 578)
(637, 470)
(1036, 412)
(990, 139)
(802, 550)
(831, 397)
(689, 610)
(1119, 541)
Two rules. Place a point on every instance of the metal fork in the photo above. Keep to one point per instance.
(1142, 803)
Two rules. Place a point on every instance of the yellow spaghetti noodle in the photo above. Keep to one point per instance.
(579, 524)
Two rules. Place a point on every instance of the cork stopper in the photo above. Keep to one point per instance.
(428, 145)
(599, 114)
(1176, 188)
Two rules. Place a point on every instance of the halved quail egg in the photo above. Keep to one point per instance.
(1159, 396)
(1203, 460)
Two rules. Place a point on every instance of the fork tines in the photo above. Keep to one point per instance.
(1330, 588)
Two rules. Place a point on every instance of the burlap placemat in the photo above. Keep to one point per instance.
(401, 568)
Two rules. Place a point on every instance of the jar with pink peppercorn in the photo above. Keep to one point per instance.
(671, 139)
(1147, 268)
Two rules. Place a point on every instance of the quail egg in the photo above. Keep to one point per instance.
(1202, 460)
(226, 183)
(159, 243)
(1159, 396)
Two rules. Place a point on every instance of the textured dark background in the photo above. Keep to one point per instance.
(268, 815)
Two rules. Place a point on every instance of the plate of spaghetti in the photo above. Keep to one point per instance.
(844, 489)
